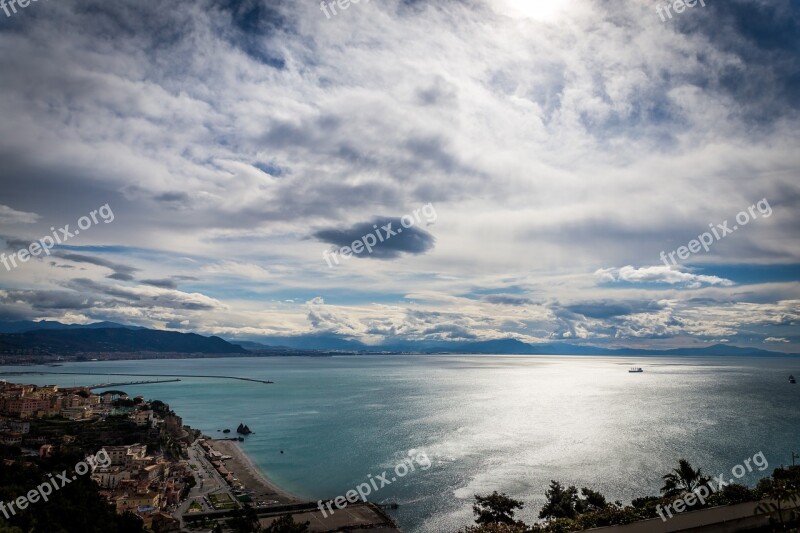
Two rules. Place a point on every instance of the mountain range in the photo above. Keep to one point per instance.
(56, 338)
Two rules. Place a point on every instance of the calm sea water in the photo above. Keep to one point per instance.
(487, 422)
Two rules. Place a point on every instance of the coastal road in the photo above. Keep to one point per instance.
(211, 482)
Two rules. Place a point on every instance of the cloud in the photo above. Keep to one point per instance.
(121, 272)
(507, 299)
(658, 274)
(552, 147)
(166, 283)
(610, 309)
(48, 300)
(248, 271)
(391, 238)
(12, 216)
(775, 339)
(148, 297)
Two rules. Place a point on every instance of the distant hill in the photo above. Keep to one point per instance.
(513, 346)
(114, 339)
(308, 342)
(22, 326)
(332, 343)
(57, 338)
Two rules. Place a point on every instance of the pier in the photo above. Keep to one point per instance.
(129, 383)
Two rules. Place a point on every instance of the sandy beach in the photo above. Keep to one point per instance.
(354, 516)
(243, 468)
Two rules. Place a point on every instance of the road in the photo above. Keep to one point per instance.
(210, 482)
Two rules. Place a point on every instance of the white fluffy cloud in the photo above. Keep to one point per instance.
(554, 140)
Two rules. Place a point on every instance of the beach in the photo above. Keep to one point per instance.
(249, 475)
(355, 517)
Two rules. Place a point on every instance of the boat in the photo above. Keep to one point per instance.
(635, 370)
(792, 380)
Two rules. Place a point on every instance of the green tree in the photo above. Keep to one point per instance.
(4, 528)
(591, 501)
(245, 520)
(561, 502)
(683, 479)
(495, 508)
(286, 524)
(499, 528)
(782, 509)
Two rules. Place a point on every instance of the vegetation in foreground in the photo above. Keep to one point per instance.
(246, 521)
(567, 509)
(78, 509)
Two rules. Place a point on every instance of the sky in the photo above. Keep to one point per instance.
(522, 165)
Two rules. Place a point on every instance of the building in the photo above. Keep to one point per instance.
(19, 426)
(132, 502)
(110, 477)
(77, 413)
(9, 438)
(143, 418)
(28, 407)
(126, 455)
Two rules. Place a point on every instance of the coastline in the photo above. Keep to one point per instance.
(245, 469)
(277, 501)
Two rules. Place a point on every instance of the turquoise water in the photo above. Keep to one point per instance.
(486, 422)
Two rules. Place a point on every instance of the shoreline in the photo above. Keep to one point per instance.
(253, 477)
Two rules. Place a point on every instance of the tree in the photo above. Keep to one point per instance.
(245, 520)
(286, 524)
(785, 499)
(591, 501)
(561, 502)
(683, 479)
(495, 509)
(498, 528)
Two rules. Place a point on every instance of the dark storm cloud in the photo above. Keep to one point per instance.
(411, 240)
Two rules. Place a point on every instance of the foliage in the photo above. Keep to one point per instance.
(731, 495)
(74, 508)
(160, 408)
(497, 528)
(286, 524)
(565, 503)
(560, 503)
(567, 510)
(244, 520)
(784, 495)
(591, 501)
(495, 509)
(683, 479)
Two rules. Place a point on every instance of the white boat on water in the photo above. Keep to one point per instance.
(635, 370)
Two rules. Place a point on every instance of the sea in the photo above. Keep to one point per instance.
(506, 423)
